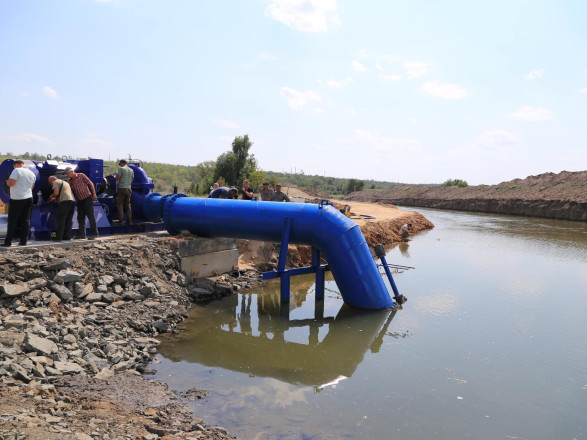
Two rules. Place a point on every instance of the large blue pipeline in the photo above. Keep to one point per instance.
(322, 226)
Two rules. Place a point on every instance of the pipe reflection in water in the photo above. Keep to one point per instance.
(298, 343)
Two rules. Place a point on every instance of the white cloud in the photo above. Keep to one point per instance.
(25, 93)
(224, 123)
(358, 66)
(415, 69)
(387, 143)
(298, 100)
(48, 91)
(268, 57)
(304, 15)
(532, 114)
(443, 90)
(412, 69)
(535, 74)
(351, 111)
(337, 84)
(94, 140)
(583, 90)
(497, 140)
(30, 137)
(391, 77)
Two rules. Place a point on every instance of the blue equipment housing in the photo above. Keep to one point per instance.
(44, 212)
(321, 226)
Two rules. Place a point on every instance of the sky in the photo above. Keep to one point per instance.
(416, 91)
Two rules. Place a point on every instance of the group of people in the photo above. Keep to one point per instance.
(78, 188)
(247, 192)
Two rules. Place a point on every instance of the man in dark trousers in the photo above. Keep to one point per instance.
(21, 183)
(64, 197)
(85, 194)
(124, 177)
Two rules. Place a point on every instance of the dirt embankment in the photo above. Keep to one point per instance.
(379, 223)
(560, 196)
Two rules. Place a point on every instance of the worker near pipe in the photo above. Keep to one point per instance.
(279, 196)
(223, 192)
(246, 191)
(85, 194)
(124, 177)
(64, 196)
(266, 192)
(21, 183)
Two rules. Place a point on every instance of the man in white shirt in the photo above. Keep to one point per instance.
(21, 183)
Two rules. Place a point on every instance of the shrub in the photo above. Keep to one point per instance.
(456, 182)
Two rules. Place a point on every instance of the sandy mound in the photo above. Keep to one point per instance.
(379, 223)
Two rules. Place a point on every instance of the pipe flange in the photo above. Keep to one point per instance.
(167, 212)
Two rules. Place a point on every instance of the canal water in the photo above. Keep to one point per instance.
(492, 344)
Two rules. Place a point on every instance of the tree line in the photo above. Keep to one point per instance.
(230, 168)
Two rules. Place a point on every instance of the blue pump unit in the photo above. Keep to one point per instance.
(321, 226)
(44, 212)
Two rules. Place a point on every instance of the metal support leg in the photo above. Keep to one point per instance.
(285, 287)
(400, 299)
(284, 274)
(284, 243)
(320, 274)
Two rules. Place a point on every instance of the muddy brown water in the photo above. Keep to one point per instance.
(491, 344)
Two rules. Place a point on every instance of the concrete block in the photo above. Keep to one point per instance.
(213, 263)
(201, 245)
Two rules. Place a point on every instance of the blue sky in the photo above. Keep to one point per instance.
(412, 91)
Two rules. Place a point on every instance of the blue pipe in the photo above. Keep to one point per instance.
(321, 226)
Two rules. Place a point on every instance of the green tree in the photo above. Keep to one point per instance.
(256, 179)
(354, 185)
(204, 174)
(237, 164)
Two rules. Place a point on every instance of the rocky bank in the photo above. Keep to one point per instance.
(77, 329)
(559, 196)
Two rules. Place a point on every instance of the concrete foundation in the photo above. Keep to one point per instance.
(204, 257)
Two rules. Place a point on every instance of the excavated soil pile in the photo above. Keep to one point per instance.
(560, 196)
(379, 223)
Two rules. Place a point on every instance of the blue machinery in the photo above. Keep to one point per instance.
(44, 213)
(321, 226)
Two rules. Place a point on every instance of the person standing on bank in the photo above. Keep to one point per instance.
(279, 196)
(124, 178)
(21, 183)
(85, 194)
(64, 197)
(246, 191)
(266, 192)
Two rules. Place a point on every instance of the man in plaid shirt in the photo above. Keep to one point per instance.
(85, 194)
